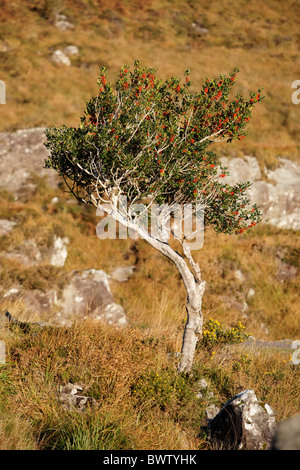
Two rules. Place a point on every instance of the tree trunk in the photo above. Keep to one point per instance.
(193, 327)
(192, 282)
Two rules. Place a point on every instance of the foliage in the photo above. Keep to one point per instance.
(83, 432)
(149, 138)
(161, 389)
(214, 334)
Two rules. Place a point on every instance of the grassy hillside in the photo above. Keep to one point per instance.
(141, 402)
(261, 38)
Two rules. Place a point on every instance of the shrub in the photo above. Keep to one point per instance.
(214, 334)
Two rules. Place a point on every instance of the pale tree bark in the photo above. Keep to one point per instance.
(191, 277)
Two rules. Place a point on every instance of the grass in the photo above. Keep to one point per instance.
(142, 403)
(260, 39)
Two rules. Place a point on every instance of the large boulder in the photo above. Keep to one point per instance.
(28, 254)
(88, 294)
(85, 294)
(278, 198)
(242, 423)
(21, 154)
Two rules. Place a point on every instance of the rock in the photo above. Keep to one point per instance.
(232, 303)
(198, 30)
(16, 169)
(60, 58)
(112, 313)
(3, 46)
(211, 411)
(243, 423)
(280, 344)
(122, 274)
(41, 302)
(241, 169)
(60, 252)
(62, 23)
(239, 275)
(26, 254)
(202, 384)
(6, 226)
(286, 271)
(88, 294)
(2, 353)
(250, 293)
(70, 399)
(287, 434)
(278, 199)
(71, 50)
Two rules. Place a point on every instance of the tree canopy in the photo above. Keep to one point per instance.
(144, 137)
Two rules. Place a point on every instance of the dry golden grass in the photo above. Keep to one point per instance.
(110, 363)
(262, 39)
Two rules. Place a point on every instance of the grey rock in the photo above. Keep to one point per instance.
(25, 192)
(286, 271)
(122, 274)
(60, 58)
(239, 275)
(198, 30)
(4, 46)
(211, 411)
(36, 300)
(202, 388)
(62, 23)
(243, 423)
(280, 344)
(59, 251)
(287, 434)
(202, 384)
(278, 198)
(2, 352)
(16, 169)
(6, 226)
(42, 302)
(112, 314)
(251, 293)
(71, 50)
(27, 254)
(240, 169)
(232, 303)
(72, 401)
(88, 295)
